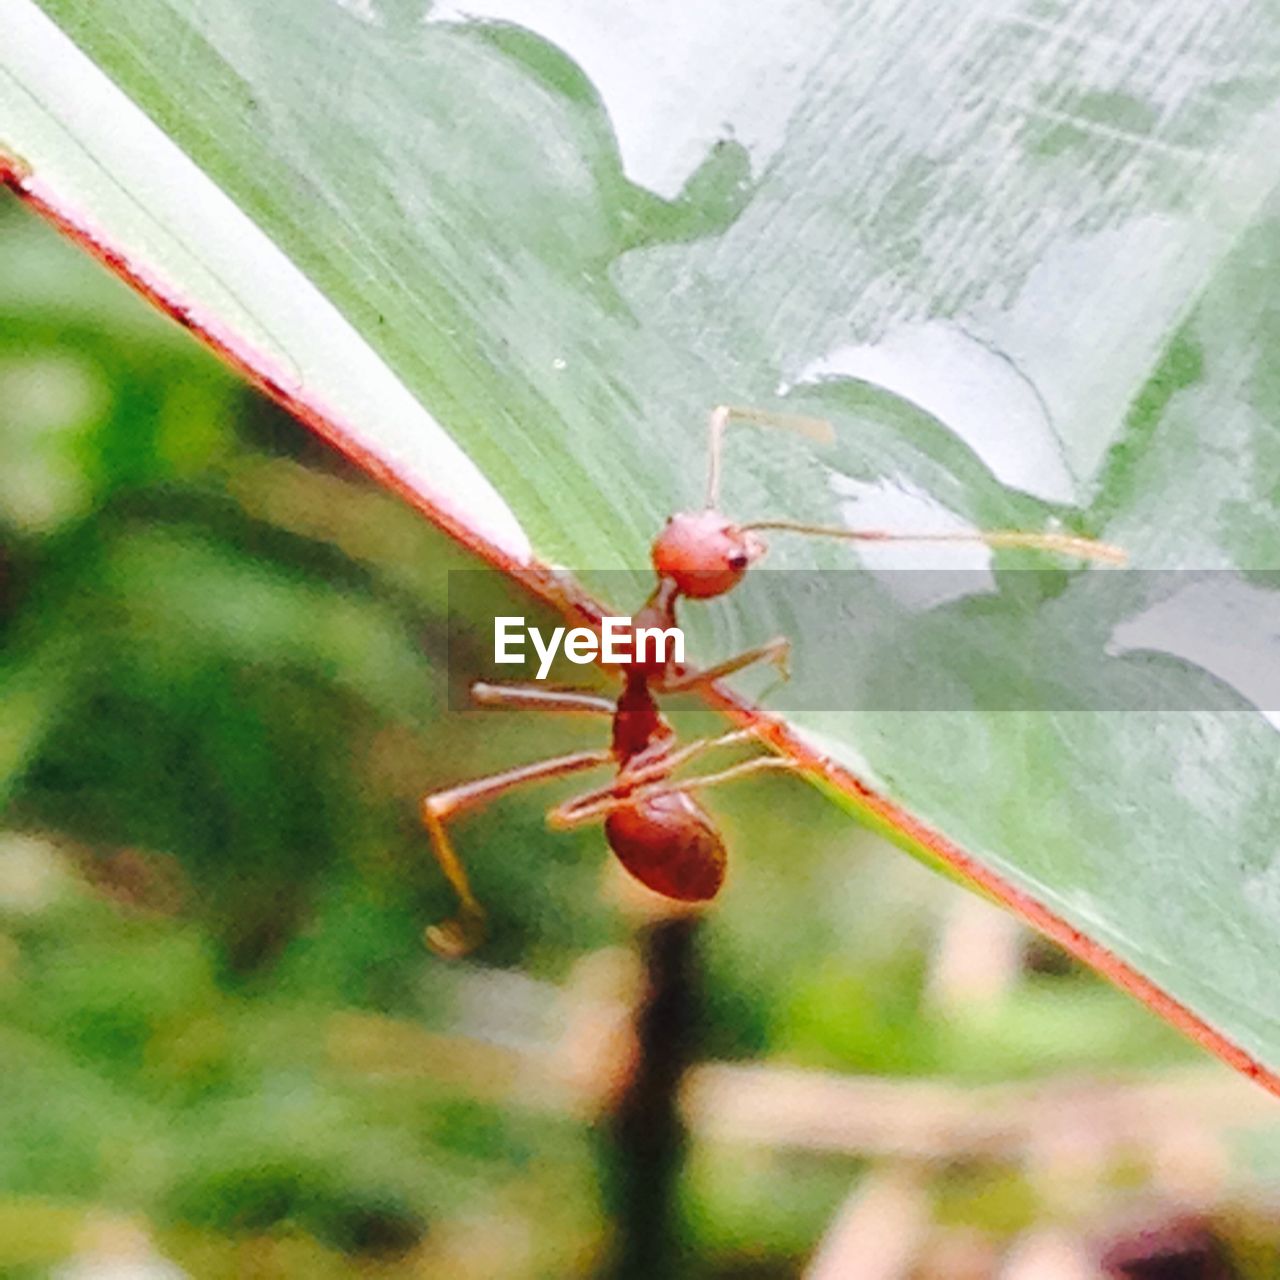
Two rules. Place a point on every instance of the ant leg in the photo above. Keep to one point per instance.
(640, 770)
(535, 697)
(601, 803)
(755, 765)
(457, 936)
(583, 809)
(646, 778)
(777, 651)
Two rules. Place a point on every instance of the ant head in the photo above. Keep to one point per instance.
(704, 554)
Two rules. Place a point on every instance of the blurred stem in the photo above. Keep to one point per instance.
(645, 1133)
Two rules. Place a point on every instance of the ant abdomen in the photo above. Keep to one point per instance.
(668, 842)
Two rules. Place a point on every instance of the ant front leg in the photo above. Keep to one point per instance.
(777, 651)
(458, 936)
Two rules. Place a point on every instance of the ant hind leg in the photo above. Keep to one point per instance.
(457, 936)
(758, 764)
(653, 776)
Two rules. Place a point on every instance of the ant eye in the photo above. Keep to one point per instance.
(738, 560)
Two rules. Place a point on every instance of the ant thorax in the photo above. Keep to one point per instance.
(658, 613)
(637, 722)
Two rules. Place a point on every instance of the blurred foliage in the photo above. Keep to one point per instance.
(222, 691)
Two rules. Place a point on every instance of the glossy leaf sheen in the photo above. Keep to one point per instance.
(1020, 253)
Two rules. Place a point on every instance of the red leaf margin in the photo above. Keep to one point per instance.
(562, 593)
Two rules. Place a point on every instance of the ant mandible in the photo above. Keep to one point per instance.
(653, 824)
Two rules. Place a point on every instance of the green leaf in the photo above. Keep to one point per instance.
(1022, 258)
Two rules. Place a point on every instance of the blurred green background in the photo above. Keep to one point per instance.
(222, 1041)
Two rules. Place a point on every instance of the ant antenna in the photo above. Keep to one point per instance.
(818, 429)
(821, 431)
(1065, 543)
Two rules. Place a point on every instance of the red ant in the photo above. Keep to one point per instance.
(655, 827)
